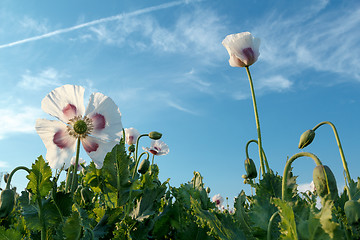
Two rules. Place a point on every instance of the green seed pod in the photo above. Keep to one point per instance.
(306, 138)
(86, 195)
(7, 202)
(352, 211)
(144, 166)
(155, 135)
(250, 168)
(131, 148)
(319, 177)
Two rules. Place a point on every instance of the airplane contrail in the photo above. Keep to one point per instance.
(91, 23)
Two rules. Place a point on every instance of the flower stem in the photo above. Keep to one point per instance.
(263, 153)
(288, 165)
(74, 174)
(340, 148)
(270, 225)
(136, 154)
(13, 172)
(257, 122)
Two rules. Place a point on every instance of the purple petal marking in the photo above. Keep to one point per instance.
(61, 139)
(69, 111)
(98, 121)
(153, 151)
(250, 56)
(90, 146)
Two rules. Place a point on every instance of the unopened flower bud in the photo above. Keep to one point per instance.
(320, 174)
(155, 135)
(306, 138)
(208, 190)
(131, 148)
(250, 168)
(352, 211)
(144, 166)
(244, 176)
(7, 202)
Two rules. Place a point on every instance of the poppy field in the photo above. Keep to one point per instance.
(119, 194)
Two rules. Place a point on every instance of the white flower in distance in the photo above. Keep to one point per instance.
(158, 148)
(98, 127)
(243, 49)
(218, 200)
(131, 135)
(81, 161)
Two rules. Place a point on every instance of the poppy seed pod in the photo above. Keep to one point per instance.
(155, 135)
(319, 177)
(7, 202)
(306, 138)
(250, 168)
(352, 211)
(144, 166)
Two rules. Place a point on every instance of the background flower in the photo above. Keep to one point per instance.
(98, 127)
(131, 135)
(81, 161)
(243, 49)
(158, 147)
(218, 200)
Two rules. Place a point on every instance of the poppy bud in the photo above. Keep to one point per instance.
(208, 190)
(131, 148)
(155, 135)
(352, 211)
(250, 168)
(144, 166)
(319, 179)
(7, 202)
(306, 138)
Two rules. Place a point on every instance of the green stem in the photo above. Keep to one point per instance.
(136, 154)
(339, 145)
(74, 175)
(288, 166)
(41, 217)
(68, 178)
(270, 225)
(262, 151)
(257, 120)
(13, 172)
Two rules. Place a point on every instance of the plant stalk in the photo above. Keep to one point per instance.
(288, 165)
(257, 123)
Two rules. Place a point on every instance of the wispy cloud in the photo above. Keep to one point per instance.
(48, 77)
(276, 83)
(4, 164)
(95, 22)
(319, 40)
(18, 119)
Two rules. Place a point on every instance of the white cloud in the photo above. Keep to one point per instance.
(30, 24)
(276, 83)
(18, 119)
(4, 164)
(321, 40)
(48, 77)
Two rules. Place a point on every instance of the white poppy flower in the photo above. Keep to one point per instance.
(131, 135)
(243, 49)
(98, 127)
(81, 161)
(218, 200)
(158, 148)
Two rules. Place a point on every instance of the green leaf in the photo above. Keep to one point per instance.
(241, 216)
(287, 224)
(72, 227)
(9, 234)
(221, 225)
(40, 183)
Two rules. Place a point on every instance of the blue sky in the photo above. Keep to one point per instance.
(163, 64)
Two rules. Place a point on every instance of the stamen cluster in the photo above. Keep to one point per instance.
(80, 127)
